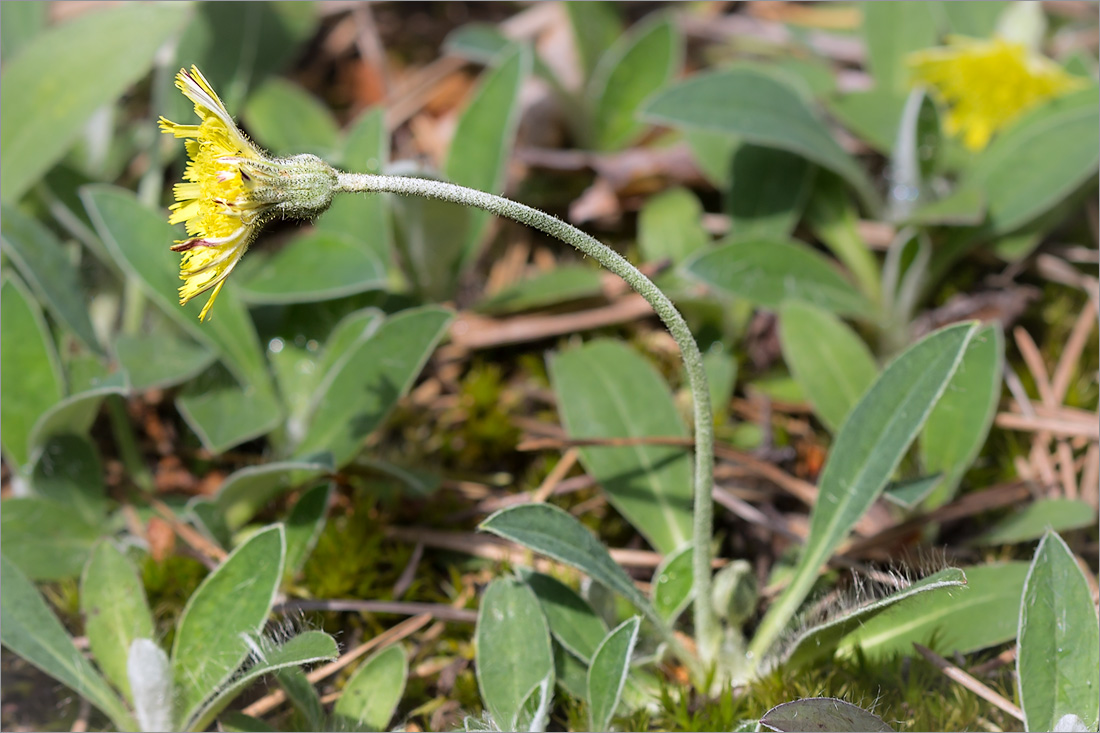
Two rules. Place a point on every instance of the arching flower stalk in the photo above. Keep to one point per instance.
(232, 188)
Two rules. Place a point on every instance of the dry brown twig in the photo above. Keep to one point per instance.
(568, 460)
(80, 725)
(204, 547)
(490, 503)
(472, 332)
(404, 581)
(439, 611)
(967, 505)
(1041, 441)
(967, 681)
(1050, 419)
(493, 548)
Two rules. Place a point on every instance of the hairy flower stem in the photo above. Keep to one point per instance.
(706, 631)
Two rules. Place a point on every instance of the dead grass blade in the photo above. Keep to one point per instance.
(967, 681)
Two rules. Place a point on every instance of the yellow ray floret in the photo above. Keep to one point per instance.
(216, 204)
(206, 263)
(231, 188)
(986, 84)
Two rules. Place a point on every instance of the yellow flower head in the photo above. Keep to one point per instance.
(232, 188)
(986, 84)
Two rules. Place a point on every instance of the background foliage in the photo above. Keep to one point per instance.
(378, 384)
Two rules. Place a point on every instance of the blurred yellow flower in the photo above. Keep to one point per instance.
(232, 188)
(987, 83)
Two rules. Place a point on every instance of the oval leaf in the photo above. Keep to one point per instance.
(670, 225)
(1058, 662)
(637, 65)
(30, 629)
(1055, 143)
(139, 239)
(112, 599)
(770, 272)
(950, 622)
(891, 32)
(977, 20)
(867, 450)
(513, 654)
(828, 359)
(224, 414)
(483, 140)
(69, 471)
(428, 248)
(48, 93)
(573, 623)
(556, 533)
(959, 423)
(319, 266)
(288, 120)
(1034, 520)
(871, 114)
(562, 284)
(821, 641)
(302, 695)
(595, 27)
(364, 218)
(768, 188)
(300, 367)
(304, 526)
(357, 395)
(19, 24)
(47, 268)
(249, 489)
(762, 109)
(597, 387)
(29, 369)
(608, 671)
(223, 614)
(822, 714)
(74, 414)
(46, 539)
(160, 359)
(305, 648)
(372, 693)
(672, 584)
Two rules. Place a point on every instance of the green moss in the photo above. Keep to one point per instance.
(168, 585)
(64, 596)
(486, 432)
(352, 558)
(909, 694)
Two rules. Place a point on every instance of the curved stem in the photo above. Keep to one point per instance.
(706, 631)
